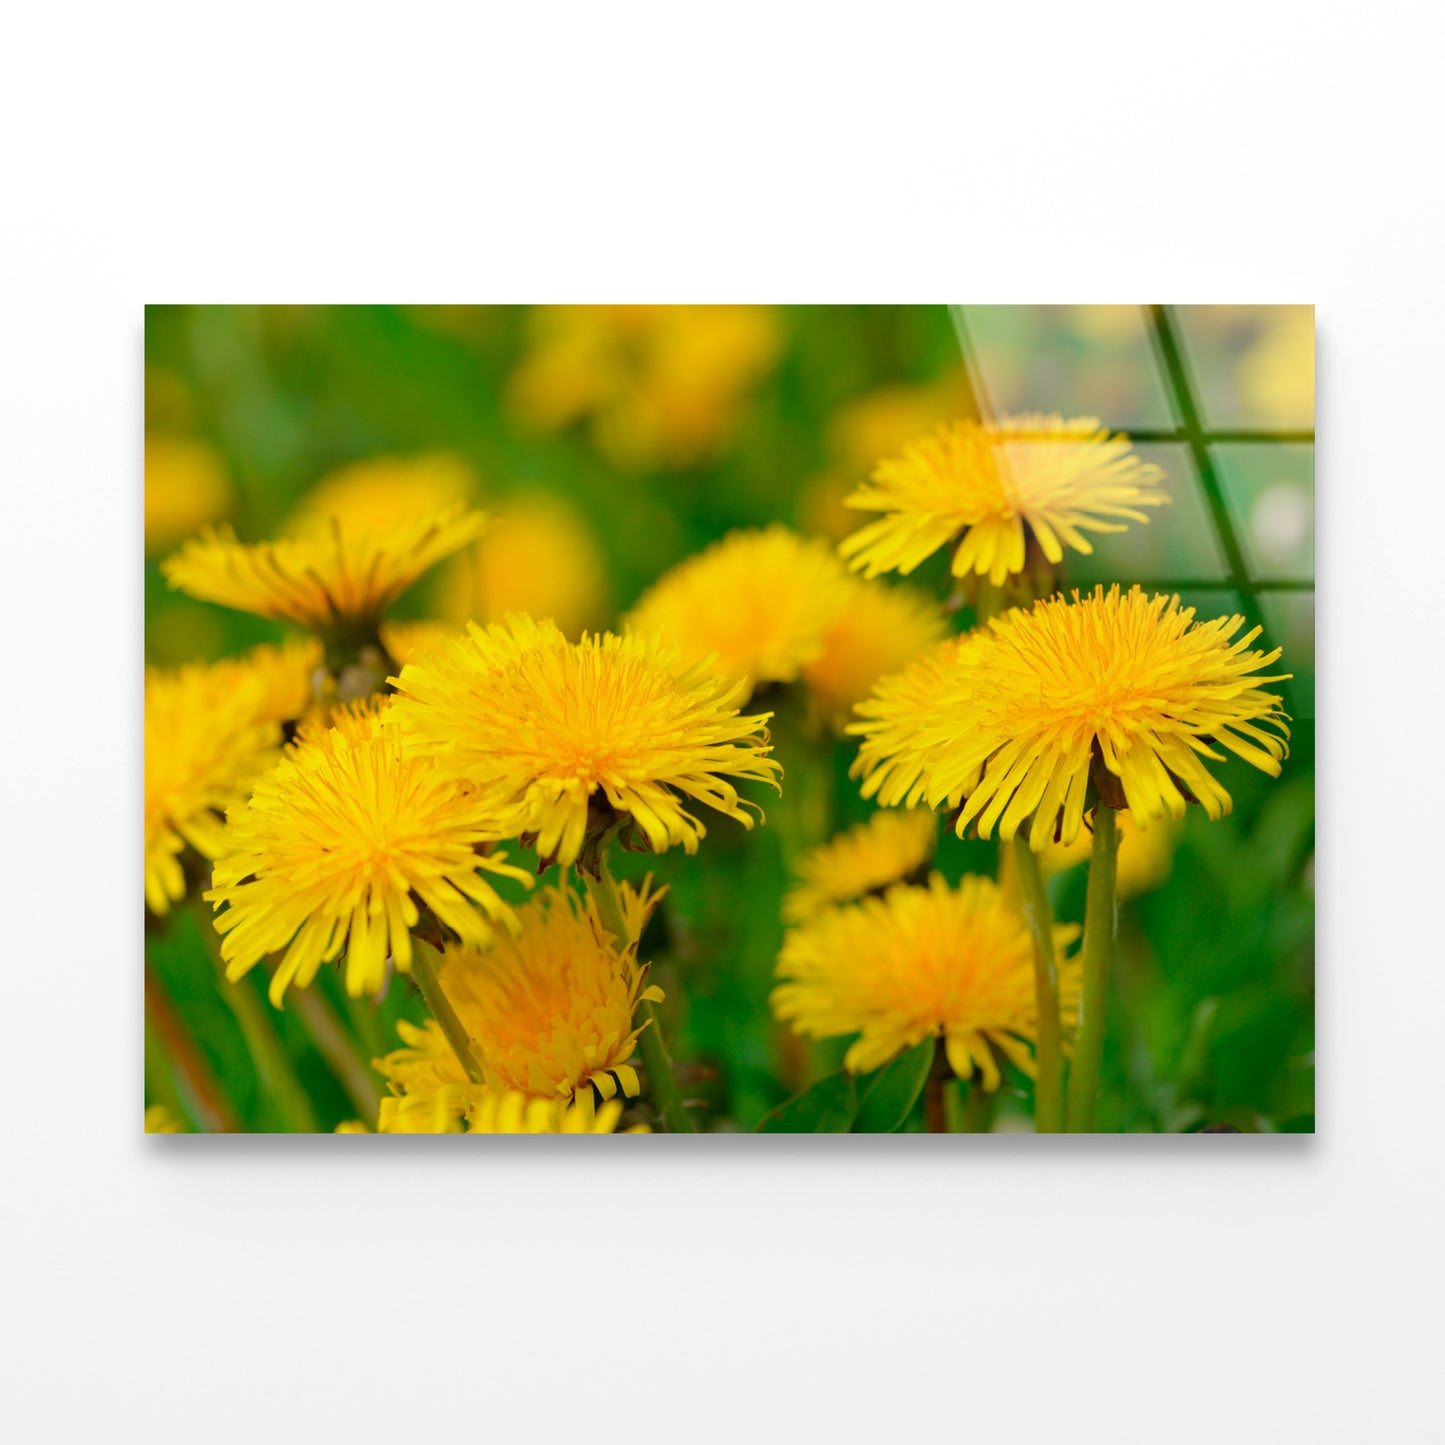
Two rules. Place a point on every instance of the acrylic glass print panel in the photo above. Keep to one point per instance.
(628, 719)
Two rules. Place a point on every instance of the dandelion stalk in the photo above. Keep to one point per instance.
(1099, 927)
(424, 971)
(1049, 1057)
(661, 1081)
(339, 1050)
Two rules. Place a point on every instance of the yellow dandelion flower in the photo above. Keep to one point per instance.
(552, 1010)
(888, 848)
(759, 604)
(893, 721)
(918, 963)
(351, 1126)
(550, 1015)
(186, 487)
(1127, 691)
(341, 582)
(877, 632)
(284, 676)
(375, 496)
(548, 727)
(333, 845)
(995, 485)
(206, 742)
(160, 1120)
(540, 557)
(411, 641)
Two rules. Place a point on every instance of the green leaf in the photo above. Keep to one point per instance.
(886, 1097)
(827, 1108)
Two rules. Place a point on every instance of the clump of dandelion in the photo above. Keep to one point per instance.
(991, 488)
(551, 1014)
(919, 963)
(337, 845)
(207, 739)
(877, 631)
(580, 736)
(890, 847)
(757, 606)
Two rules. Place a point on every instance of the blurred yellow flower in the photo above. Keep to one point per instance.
(1275, 378)
(663, 385)
(284, 677)
(206, 742)
(186, 486)
(411, 641)
(878, 631)
(341, 582)
(337, 845)
(1038, 476)
(756, 607)
(918, 963)
(539, 557)
(557, 729)
(160, 1120)
(1146, 855)
(889, 848)
(374, 497)
(1126, 691)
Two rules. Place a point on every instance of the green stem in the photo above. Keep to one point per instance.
(661, 1081)
(935, 1092)
(1099, 927)
(274, 1065)
(424, 960)
(1049, 1055)
(337, 1048)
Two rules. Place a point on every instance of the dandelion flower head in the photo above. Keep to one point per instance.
(338, 843)
(995, 485)
(759, 604)
(552, 728)
(890, 847)
(342, 568)
(1124, 690)
(878, 630)
(207, 739)
(550, 1014)
(919, 963)
(186, 486)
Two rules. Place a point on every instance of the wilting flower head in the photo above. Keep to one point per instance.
(996, 484)
(344, 566)
(548, 727)
(1125, 691)
(878, 630)
(758, 604)
(918, 963)
(550, 1014)
(890, 847)
(207, 739)
(894, 720)
(332, 847)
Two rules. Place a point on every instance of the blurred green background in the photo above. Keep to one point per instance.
(638, 436)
